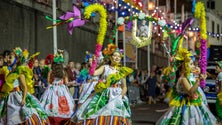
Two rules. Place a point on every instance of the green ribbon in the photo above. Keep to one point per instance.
(50, 19)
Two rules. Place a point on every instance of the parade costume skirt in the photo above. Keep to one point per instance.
(219, 106)
(13, 113)
(58, 103)
(103, 120)
(185, 110)
(113, 109)
(87, 90)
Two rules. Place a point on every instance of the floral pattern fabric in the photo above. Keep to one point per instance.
(87, 89)
(57, 101)
(12, 112)
(186, 110)
(106, 103)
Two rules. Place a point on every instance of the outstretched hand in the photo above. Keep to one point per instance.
(203, 76)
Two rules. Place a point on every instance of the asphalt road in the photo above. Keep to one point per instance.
(144, 114)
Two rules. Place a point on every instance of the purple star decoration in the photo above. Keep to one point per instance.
(74, 19)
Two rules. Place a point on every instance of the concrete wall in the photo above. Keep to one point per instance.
(211, 16)
(25, 26)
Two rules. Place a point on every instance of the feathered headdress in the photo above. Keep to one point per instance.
(183, 56)
(23, 55)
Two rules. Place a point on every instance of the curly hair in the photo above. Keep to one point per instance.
(58, 70)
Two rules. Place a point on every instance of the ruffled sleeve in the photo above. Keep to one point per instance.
(112, 79)
(28, 77)
(8, 85)
(4, 71)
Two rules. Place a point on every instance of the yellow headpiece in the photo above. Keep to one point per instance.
(183, 57)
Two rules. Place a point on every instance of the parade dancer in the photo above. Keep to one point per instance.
(186, 107)
(109, 105)
(219, 95)
(17, 105)
(56, 100)
(89, 81)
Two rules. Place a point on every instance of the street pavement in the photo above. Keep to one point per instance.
(147, 114)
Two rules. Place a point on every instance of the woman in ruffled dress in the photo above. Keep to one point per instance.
(186, 106)
(56, 100)
(17, 105)
(109, 105)
(89, 82)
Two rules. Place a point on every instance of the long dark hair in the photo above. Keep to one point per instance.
(58, 70)
(178, 72)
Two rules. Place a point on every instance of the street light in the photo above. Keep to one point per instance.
(151, 6)
(190, 34)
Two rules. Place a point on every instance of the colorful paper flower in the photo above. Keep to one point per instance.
(120, 20)
(142, 16)
(162, 22)
(110, 49)
(74, 19)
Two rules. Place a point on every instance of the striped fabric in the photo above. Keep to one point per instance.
(103, 120)
(35, 120)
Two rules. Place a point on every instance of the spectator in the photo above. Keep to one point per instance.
(139, 84)
(144, 77)
(151, 87)
(71, 71)
(159, 85)
(37, 79)
(1, 61)
(78, 67)
(44, 72)
(6, 54)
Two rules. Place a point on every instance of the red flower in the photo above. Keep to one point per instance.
(63, 105)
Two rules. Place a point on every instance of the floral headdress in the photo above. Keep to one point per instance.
(58, 58)
(111, 48)
(23, 55)
(183, 57)
(49, 59)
